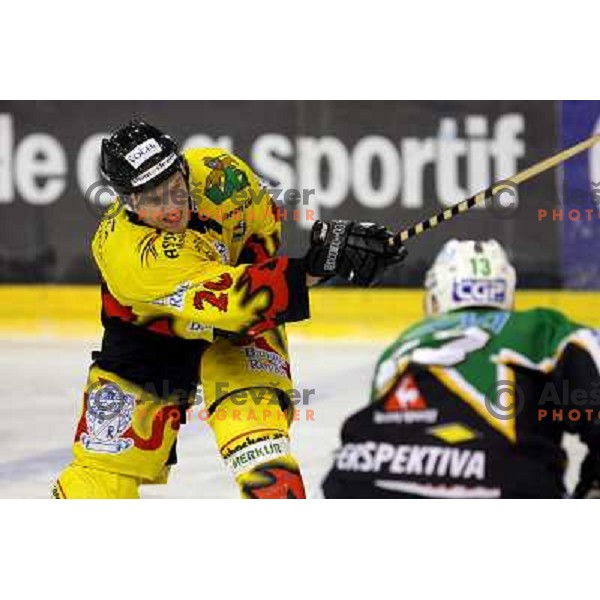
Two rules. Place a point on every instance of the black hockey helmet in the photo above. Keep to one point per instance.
(139, 156)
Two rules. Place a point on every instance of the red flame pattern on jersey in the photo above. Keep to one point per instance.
(270, 276)
(257, 247)
(113, 308)
(166, 413)
(282, 483)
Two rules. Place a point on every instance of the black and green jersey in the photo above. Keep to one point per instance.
(474, 403)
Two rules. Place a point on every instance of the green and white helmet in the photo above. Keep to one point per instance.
(470, 273)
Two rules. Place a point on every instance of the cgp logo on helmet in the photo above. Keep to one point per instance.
(458, 157)
(479, 290)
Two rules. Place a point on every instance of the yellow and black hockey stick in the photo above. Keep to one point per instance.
(495, 188)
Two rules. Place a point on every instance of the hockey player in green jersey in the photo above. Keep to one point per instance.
(473, 401)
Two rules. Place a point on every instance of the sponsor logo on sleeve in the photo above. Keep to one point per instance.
(109, 412)
(239, 230)
(252, 455)
(176, 299)
(172, 244)
(266, 361)
(224, 178)
(405, 404)
(196, 327)
(223, 252)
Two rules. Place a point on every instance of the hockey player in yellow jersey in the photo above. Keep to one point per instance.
(193, 293)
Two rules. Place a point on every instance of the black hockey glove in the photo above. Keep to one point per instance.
(358, 252)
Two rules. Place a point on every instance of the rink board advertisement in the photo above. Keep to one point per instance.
(391, 162)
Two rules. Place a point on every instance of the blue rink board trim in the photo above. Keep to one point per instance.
(581, 239)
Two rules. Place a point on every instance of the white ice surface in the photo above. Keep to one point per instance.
(41, 382)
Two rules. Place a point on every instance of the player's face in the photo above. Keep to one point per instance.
(165, 206)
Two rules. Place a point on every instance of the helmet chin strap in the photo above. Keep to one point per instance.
(127, 204)
(192, 204)
(185, 171)
(431, 305)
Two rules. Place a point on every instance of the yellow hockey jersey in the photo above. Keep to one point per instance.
(220, 273)
(167, 296)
